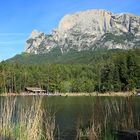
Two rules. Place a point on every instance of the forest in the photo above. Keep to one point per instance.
(114, 70)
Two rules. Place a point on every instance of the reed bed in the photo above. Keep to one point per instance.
(25, 122)
(108, 116)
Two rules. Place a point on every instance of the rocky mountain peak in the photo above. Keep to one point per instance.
(35, 33)
(87, 21)
(91, 29)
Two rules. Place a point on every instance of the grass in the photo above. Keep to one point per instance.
(28, 122)
(108, 116)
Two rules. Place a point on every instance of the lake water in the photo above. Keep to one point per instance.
(72, 110)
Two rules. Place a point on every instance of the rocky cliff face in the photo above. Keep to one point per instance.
(39, 42)
(89, 30)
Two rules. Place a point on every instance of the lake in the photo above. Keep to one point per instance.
(74, 113)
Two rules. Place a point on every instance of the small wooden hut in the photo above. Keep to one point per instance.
(34, 90)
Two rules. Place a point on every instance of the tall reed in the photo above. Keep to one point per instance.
(108, 116)
(25, 122)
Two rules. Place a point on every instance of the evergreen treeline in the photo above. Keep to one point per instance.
(71, 57)
(111, 71)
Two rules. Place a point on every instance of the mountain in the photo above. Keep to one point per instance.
(72, 57)
(88, 30)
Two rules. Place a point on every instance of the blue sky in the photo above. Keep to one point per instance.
(19, 17)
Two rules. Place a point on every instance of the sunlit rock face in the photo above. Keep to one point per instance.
(39, 42)
(88, 30)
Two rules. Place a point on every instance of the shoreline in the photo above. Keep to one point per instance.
(110, 94)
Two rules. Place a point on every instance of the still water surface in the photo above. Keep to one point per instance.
(70, 110)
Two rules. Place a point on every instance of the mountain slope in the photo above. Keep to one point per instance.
(72, 57)
(88, 30)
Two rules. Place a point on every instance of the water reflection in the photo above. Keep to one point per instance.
(82, 117)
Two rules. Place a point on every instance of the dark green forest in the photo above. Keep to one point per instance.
(86, 71)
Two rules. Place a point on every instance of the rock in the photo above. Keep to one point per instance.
(39, 42)
(92, 29)
(128, 134)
